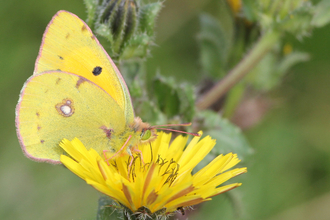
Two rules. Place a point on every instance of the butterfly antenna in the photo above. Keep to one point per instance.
(159, 127)
(184, 132)
(172, 125)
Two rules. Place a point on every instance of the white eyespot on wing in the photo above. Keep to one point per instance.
(65, 108)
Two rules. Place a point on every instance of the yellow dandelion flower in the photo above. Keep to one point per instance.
(163, 180)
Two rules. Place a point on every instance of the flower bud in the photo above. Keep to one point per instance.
(120, 16)
(127, 26)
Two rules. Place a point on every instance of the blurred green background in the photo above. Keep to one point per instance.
(288, 175)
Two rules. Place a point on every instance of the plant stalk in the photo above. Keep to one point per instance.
(262, 47)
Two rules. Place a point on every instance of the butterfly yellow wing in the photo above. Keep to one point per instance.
(69, 45)
(56, 105)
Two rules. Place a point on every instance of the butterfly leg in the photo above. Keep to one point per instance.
(105, 156)
(107, 160)
(141, 155)
(130, 164)
(132, 158)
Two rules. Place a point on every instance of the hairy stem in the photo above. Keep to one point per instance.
(263, 46)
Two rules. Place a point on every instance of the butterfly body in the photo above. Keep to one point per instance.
(75, 91)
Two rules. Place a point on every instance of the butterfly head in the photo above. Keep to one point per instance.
(147, 133)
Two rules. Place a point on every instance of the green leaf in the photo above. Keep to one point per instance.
(263, 77)
(134, 75)
(104, 31)
(250, 11)
(108, 209)
(187, 99)
(298, 23)
(148, 15)
(291, 59)
(167, 96)
(270, 70)
(91, 6)
(136, 47)
(175, 101)
(229, 137)
(149, 112)
(322, 14)
(214, 46)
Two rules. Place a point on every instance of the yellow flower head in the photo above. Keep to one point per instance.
(163, 180)
(235, 5)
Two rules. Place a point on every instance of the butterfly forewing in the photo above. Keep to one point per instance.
(69, 45)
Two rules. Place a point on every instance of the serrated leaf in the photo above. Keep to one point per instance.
(187, 102)
(137, 46)
(229, 137)
(149, 112)
(104, 31)
(250, 11)
(107, 210)
(214, 46)
(291, 59)
(134, 75)
(263, 76)
(148, 15)
(177, 102)
(322, 14)
(271, 69)
(91, 6)
(299, 25)
(167, 96)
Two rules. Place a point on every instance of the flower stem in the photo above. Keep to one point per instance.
(263, 46)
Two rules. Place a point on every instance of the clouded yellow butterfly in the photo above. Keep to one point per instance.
(76, 91)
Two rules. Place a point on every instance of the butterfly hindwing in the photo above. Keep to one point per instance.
(56, 105)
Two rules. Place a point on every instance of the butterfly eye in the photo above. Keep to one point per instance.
(145, 135)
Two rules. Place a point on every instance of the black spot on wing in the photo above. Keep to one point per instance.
(61, 58)
(97, 70)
